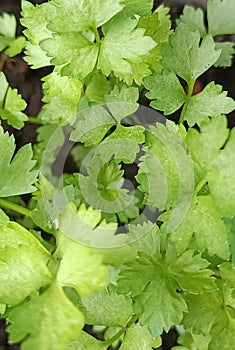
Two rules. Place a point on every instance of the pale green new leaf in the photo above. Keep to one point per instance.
(209, 102)
(226, 56)
(48, 321)
(23, 268)
(137, 7)
(33, 18)
(85, 226)
(7, 25)
(79, 16)
(139, 338)
(116, 57)
(80, 266)
(11, 105)
(194, 18)
(166, 92)
(186, 56)
(11, 181)
(61, 95)
(220, 15)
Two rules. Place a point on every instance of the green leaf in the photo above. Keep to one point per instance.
(4, 219)
(12, 110)
(80, 267)
(11, 105)
(122, 102)
(116, 57)
(166, 160)
(12, 182)
(33, 18)
(23, 259)
(189, 341)
(166, 92)
(220, 14)
(89, 14)
(153, 283)
(203, 222)
(87, 342)
(191, 273)
(139, 338)
(61, 97)
(12, 46)
(85, 226)
(158, 28)
(194, 19)
(211, 313)
(75, 52)
(160, 307)
(137, 7)
(7, 25)
(97, 87)
(209, 102)
(226, 56)
(91, 125)
(185, 56)
(96, 305)
(48, 321)
(104, 186)
(15, 47)
(202, 151)
(217, 163)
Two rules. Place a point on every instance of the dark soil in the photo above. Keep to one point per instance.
(29, 85)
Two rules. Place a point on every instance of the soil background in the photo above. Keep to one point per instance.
(28, 83)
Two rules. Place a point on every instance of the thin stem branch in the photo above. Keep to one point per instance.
(4, 203)
(190, 92)
(97, 35)
(34, 120)
(123, 330)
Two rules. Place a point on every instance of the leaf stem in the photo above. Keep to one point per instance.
(190, 92)
(4, 203)
(200, 185)
(123, 330)
(97, 35)
(33, 120)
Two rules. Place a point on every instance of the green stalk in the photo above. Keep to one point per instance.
(97, 35)
(4, 203)
(190, 92)
(33, 120)
(123, 330)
